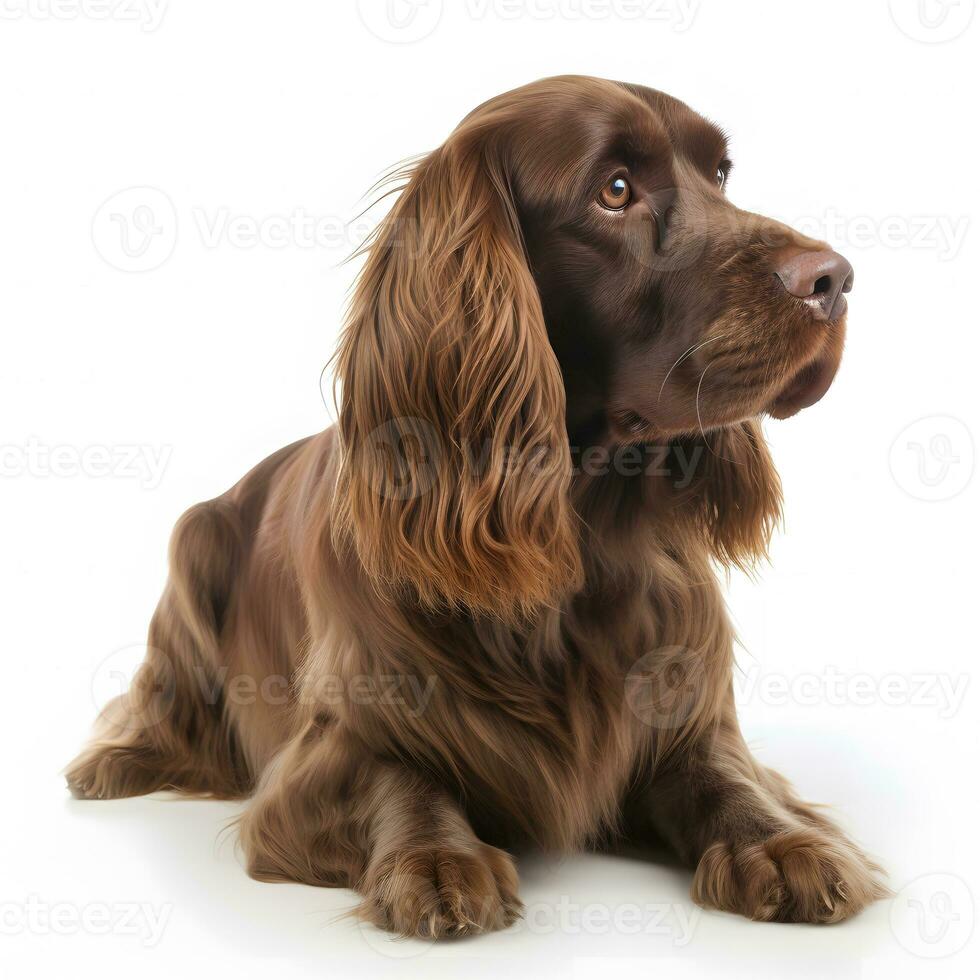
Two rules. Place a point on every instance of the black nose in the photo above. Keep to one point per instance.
(820, 278)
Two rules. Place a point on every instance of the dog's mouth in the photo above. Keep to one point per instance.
(806, 387)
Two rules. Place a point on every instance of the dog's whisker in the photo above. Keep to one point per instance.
(697, 409)
(732, 259)
(693, 349)
(697, 406)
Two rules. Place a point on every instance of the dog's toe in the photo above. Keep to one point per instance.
(799, 875)
(437, 893)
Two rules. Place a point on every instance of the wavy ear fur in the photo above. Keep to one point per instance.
(735, 496)
(453, 486)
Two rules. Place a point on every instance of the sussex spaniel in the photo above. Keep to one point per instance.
(481, 612)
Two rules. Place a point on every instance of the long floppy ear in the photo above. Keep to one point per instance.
(453, 485)
(734, 493)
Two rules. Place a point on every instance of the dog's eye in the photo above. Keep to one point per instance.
(616, 194)
(721, 175)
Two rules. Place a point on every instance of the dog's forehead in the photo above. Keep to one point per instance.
(566, 122)
(691, 135)
(588, 114)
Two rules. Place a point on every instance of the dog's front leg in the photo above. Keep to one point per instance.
(757, 848)
(328, 812)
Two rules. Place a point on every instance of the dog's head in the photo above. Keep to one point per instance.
(567, 271)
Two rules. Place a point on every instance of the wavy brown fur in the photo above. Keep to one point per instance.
(447, 344)
(558, 638)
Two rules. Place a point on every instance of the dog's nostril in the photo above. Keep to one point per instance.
(822, 285)
(820, 278)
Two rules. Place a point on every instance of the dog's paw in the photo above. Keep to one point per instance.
(108, 771)
(434, 892)
(93, 775)
(800, 875)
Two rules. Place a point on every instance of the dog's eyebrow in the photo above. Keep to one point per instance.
(636, 149)
(703, 143)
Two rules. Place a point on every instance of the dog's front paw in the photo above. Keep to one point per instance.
(435, 892)
(108, 771)
(800, 875)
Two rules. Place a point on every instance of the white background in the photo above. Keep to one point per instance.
(855, 121)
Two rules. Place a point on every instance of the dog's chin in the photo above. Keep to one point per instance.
(628, 428)
(806, 387)
(643, 420)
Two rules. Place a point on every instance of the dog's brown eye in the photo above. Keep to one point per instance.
(721, 175)
(616, 194)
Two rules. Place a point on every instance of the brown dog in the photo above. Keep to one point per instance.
(482, 611)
